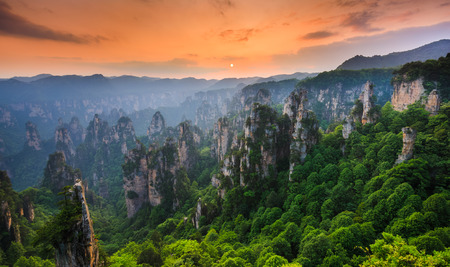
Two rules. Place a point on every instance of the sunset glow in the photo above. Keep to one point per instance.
(178, 38)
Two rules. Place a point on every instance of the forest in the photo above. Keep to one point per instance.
(351, 201)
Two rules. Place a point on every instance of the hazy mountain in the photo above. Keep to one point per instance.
(430, 51)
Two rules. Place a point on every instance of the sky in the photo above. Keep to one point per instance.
(208, 38)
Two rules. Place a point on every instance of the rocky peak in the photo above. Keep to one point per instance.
(80, 248)
(367, 103)
(98, 132)
(222, 135)
(406, 93)
(433, 102)
(33, 137)
(305, 134)
(189, 138)
(409, 138)
(157, 127)
(198, 214)
(77, 132)
(58, 174)
(64, 144)
(123, 132)
(293, 103)
(348, 127)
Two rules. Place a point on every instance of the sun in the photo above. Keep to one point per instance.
(231, 65)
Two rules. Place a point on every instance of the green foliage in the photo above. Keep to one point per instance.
(33, 261)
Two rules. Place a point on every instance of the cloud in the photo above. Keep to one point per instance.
(176, 66)
(241, 35)
(15, 25)
(348, 3)
(317, 35)
(222, 5)
(328, 57)
(360, 21)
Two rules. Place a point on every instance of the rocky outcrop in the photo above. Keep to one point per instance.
(122, 133)
(198, 214)
(58, 174)
(305, 133)
(206, 114)
(28, 209)
(136, 183)
(433, 102)
(222, 136)
(64, 144)
(409, 138)
(76, 130)
(156, 128)
(33, 138)
(97, 132)
(189, 137)
(348, 127)
(80, 248)
(367, 103)
(406, 93)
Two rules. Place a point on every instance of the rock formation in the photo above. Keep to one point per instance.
(80, 248)
(58, 174)
(188, 138)
(33, 139)
(348, 127)
(366, 99)
(433, 102)
(122, 133)
(409, 137)
(77, 132)
(156, 128)
(222, 136)
(136, 184)
(305, 131)
(64, 144)
(97, 132)
(406, 93)
(198, 214)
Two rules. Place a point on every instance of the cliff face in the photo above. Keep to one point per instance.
(58, 174)
(136, 184)
(406, 93)
(33, 138)
(222, 136)
(158, 176)
(64, 144)
(77, 132)
(305, 131)
(366, 99)
(433, 102)
(189, 137)
(156, 128)
(80, 248)
(97, 132)
(409, 138)
(348, 127)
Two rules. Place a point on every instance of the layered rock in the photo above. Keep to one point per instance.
(406, 93)
(80, 248)
(409, 138)
(58, 174)
(433, 102)
(33, 138)
(123, 133)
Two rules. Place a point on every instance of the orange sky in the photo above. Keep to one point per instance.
(201, 38)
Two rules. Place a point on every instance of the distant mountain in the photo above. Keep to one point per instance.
(433, 50)
(31, 79)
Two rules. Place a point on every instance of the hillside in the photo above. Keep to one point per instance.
(430, 51)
